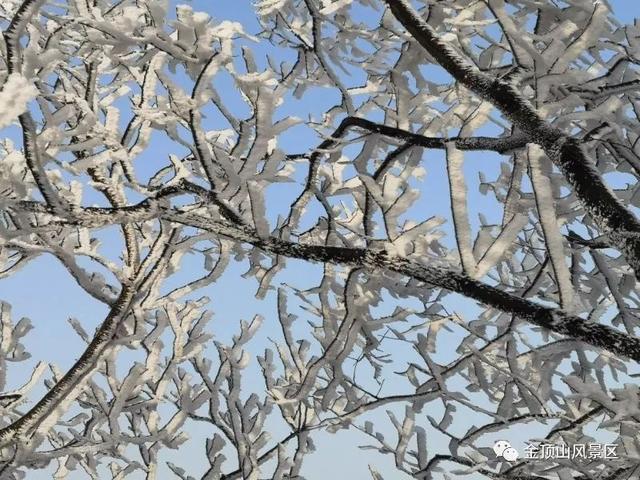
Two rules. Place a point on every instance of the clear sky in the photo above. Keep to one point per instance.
(45, 292)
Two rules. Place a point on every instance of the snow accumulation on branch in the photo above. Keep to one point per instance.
(566, 152)
(287, 218)
(15, 95)
(556, 320)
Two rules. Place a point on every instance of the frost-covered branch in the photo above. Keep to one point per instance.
(566, 152)
(427, 214)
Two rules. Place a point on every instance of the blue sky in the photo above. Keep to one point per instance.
(45, 292)
(626, 10)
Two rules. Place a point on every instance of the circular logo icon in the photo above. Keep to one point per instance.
(503, 449)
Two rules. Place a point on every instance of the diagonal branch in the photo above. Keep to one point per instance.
(85, 364)
(32, 155)
(566, 152)
(29, 423)
(556, 320)
(500, 145)
(552, 319)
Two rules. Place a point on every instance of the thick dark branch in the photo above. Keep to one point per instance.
(26, 424)
(578, 421)
(603, 91)
(594, 334)
(567, 153)
(500, 145)
(147, 209)
(12, 35)
(555, 320)
(34, 162)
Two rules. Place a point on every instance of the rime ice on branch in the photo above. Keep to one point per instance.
(435, 209)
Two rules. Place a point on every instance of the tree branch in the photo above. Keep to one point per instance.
(594, 334)
(26, 424)
(566, 152)
(500, 145)
(552, 319)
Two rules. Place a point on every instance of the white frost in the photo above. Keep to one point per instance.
(16, 93)
(550, 226)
